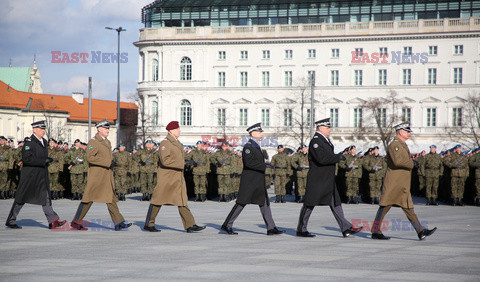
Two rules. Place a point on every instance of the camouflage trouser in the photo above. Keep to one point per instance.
(3, 181)
(236, 183)
(224, 181)
(121, 182)
(421, 183)
(268, 180)
(133, 180)
(458, 187)
(432, 187)
(280, 183)
(200, 181)
(375, 187)
(147, 182)
(352, 186)
(78, 184)
(477, 185)
(54, 183)
(301, 185)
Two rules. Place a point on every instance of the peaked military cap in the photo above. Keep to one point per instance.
(323, 122)
(404, 125)
(121, 145)
(103, 123)
(433, 146)
(39, 124)
(255, 127)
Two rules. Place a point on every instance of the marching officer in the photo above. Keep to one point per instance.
(433, 170)
(280, 163)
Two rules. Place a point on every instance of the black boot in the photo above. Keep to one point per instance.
(434, 202)
(282, 198)
(372, 200)
(197, 198)
(277, 199)
(2, 195)
(460, 202)
(144, 197)
(349, 200)
(301, 199)
(454, 202)
(429, 201)
(477, 202)
(203, 197)
(357, 199)
(61, 194)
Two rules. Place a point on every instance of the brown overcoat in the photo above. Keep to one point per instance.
(171, 188)
(100, 185)
(396, 186)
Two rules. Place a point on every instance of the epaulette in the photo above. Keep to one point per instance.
(27, 139)
(315, 136)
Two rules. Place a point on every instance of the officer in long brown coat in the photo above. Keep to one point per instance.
(100, 184)
(396, 185)
(171, 188)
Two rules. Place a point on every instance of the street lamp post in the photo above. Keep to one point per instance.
(117, 124)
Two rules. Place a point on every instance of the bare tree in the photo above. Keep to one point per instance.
(139, 100)
(49, 110)
(467, 128)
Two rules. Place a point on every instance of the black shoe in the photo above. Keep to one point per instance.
(275, 231)
(434, 202)
(122, 225)
(429, 202)
(454, 202)
(151, 229)
(203, 197)
(301, 199)
(195, 228)
(377, 200)
(13, 226)
(221, 198)
(197, 198)
(282, 198)
(305, 234)
(377, 236)
(356, 200)
(349, 200)
(477, 202)
(226, 198)
(351, 231)
(372, 201)
(229, 230)
(277, 199)
(425, 233)
(61, 194)
(460, 202)
(2, 195)
(144, 197)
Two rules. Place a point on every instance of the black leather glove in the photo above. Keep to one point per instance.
(342, 157)
(112, 164)
(48, 160)
(415, 163)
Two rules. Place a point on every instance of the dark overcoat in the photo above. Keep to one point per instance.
(252, 182)
(34, 184)
(321, 175)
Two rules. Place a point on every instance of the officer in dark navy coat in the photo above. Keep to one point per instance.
(252, 184)
(34, 185)
(321, 189)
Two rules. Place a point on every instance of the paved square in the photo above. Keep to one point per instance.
(35, 253)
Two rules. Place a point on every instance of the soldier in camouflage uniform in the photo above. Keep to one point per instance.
(121, 165)
(433, 167)
(421, 174)
(148, 159)
(5, 156)
(268, 170)
(56, 190)
(134, 175)
(459, 165)
(353, 172)
(15, 164)
(280, 162)
(474, 162)
(237, 172)
(376, 166)
(77, 160)
(300, 163)
(223, 160)
(200, 161)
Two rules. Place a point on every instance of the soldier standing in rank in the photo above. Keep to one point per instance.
(376, 166)
(5, 156)
(459, 166)
(421, 174)
(76, 158)
(252, 184)
(16, 164)
(280, 163)
(34, 185)
(171, 190)
(474, 162)
(121, 164)
(11, 169)
(134, 173)
(396, 187)
(223, 161)
(433, 169)
(237, 172)
(321, 188)
(100, 183)
(268, 170)
(201, 167)
(54, 170)
(148, 160)
(300, 163)
(353, 172)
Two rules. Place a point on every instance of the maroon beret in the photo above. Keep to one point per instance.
(173, 125)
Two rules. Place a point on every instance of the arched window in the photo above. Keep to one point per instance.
(185, 113)
(186, 69)
(155, 112)
(154, 70)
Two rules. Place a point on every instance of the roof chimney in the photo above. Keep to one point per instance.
(78, 96)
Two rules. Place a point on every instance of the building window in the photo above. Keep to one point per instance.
(266, 54)
(186, 69)
(155, 112)
(311, 77)
(357, 117)
(287, 117)
(358, 77)
(312, 53)
(334, 117)
(334, 78)
(186, 113)
(407, 115)
(154, 70)
(458, 50)
(359, 52)
(407, 76)
(244, 79)
(432, 50)
(431, 117)
(383, 51)
(243, 117)
(457, 75)
(457, 117)
(288, 54)
(432, 76)
(222, 55)
(243, 55)
(221, 79)
(265, 78)
(266, 117)
(407, 50)
(288, 78)
(335, 53)
(143, 69)
(309, 118)
(221, 117)
(382, 77)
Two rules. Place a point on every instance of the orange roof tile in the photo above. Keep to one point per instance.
(101, 109)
